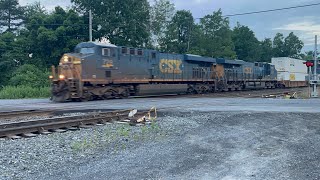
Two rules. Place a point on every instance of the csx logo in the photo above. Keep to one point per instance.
(170, 66)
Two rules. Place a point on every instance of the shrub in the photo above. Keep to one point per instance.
(21, 92)
(29, 75)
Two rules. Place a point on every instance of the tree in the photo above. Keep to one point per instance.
(309, 55)
(12, 54)
(216, 36)
(178, 35)
(266, 50)
(11, 15)
(161, 13)
(292, 46)
(123, 22)
(51, 35)
(278, 45)
(246, 44)
(32, 10)
(287, 47)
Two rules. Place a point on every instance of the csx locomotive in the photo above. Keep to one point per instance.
(104, 71)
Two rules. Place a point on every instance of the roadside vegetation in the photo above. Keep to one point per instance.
(24, 92)
(26, 82)
(35, 36)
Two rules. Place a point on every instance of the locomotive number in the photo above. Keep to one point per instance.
(248, 70)
(168, 66)
(107, 63)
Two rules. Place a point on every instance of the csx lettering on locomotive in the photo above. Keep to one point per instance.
(168, 66)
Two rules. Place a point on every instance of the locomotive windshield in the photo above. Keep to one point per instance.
(85, 50)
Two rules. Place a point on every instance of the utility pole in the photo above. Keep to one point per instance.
(188, 48)
(90, 25)
(314, 93)
(309, 78)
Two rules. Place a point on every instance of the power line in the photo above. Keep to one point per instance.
(58, 24)
(81, 24)
(272, 10)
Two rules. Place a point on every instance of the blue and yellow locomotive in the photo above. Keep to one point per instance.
(104, 71)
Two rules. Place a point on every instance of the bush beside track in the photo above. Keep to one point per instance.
(24, 92)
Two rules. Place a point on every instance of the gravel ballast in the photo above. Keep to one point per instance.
(180, 145)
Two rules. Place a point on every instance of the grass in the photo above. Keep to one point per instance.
(24, 92)
(123, 131)
(116, 139)
(83, 145)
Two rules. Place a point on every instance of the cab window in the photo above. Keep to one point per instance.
(140, 52)
(86, 51)
(124, 50)
(132, 51)
(106, 52)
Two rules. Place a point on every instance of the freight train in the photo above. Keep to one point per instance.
(105, 71)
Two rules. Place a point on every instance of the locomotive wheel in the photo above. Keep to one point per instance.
(220, 86)
(60, 97)
(203, 90)
(109, 94)
(124, 94)
(191, 90)
(86, 97)
(239, 88)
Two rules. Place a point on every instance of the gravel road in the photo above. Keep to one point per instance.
(180, 145)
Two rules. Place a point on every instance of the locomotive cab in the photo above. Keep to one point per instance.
(69, 78)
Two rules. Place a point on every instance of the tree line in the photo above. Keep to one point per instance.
(33, 38)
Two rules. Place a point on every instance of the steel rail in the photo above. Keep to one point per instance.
(44, 126)
(15, 114)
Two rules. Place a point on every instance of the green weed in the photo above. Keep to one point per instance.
(154, 126)
(80, 146)
(123, 131)
(144, 130)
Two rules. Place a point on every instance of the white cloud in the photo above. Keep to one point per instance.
(48, 4)
(305, 29)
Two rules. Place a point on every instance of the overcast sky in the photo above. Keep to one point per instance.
(302, 21)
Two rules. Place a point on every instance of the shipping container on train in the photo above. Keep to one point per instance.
(291, 72)
(104, 71)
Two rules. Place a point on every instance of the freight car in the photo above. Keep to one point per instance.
(291, 72)
(104, 71)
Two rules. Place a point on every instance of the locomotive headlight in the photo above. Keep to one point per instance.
(50, 77)
(61, 77)
(65, 59)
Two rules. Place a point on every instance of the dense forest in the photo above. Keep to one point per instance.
(33, 38)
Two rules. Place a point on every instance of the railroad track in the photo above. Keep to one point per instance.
(259, 93)
(16, 114)
(33, 128)
(61, 124)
